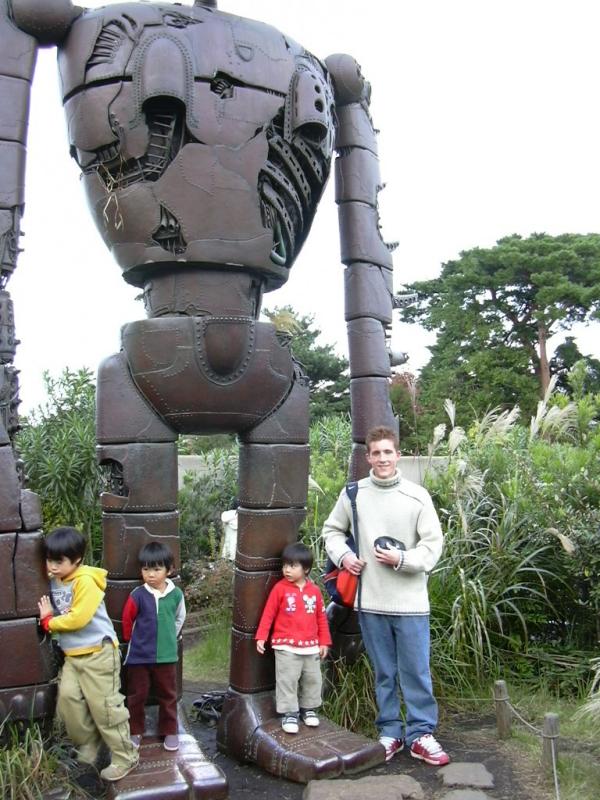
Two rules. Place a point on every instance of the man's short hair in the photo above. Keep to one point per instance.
(64, 542)
(382, 432)
(298, 553)
(156, 554)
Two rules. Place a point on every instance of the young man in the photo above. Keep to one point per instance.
(90, 702)
(394, 604)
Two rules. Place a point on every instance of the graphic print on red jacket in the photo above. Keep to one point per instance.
(297, 617)
(151, 623)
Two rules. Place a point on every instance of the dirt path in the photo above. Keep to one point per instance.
(468, 738)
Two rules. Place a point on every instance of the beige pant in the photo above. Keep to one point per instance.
(92, 707)
(297, 681)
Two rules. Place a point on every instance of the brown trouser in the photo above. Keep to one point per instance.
(163, 679)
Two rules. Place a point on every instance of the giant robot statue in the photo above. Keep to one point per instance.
(204, 142)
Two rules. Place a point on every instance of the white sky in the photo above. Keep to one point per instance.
(490, 125)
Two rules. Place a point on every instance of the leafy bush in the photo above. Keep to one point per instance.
(202, 499)
(517, 585)
(58, 446)
(330, 446)
(208, 585)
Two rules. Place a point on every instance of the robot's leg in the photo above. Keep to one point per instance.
(274, 461)
(28, 665)
(140, 453)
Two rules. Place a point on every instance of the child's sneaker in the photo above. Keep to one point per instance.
(392, 746)
(171, 742)
(114, 773)
(428, 749)
(310, 719)
(136, 740)
(289, 723)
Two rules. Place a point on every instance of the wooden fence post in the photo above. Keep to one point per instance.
(503, 712)
(549, 740)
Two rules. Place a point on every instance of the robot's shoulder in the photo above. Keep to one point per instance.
(47, 20)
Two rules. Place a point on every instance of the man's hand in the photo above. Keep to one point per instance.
(390, 556)
(260, 646)
(352, 563)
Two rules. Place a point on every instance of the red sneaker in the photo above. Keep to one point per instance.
(428, 749)
(392, 746)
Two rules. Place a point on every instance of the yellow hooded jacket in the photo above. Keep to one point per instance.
(81, 622)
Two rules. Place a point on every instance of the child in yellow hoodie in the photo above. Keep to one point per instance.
(89, 698)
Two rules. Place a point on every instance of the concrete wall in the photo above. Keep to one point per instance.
(412, 467)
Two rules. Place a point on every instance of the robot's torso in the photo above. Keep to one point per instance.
(203, 138)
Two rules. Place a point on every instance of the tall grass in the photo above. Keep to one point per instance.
(29, 764)
(350, 698)
(209, 659)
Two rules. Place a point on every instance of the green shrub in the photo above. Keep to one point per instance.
(517, 586)
(330, 447)
(58, 447)
(202, 499)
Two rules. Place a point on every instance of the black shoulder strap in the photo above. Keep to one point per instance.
(352, 491)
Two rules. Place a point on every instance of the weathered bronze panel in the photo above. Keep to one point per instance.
(251, 590)
(262, 535)
(273, 476)
(31, 660)
(143, 477)
(368, 292)
(367, 346)
(126, 534)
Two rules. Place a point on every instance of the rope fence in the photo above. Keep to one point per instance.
(506, 712)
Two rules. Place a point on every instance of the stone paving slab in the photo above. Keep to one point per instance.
(466, 794)
(385, 787)
(464, 773)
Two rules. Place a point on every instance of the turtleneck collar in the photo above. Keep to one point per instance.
(393, 481)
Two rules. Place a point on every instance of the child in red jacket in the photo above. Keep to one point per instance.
(300, 638)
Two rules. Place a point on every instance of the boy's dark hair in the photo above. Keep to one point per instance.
(379, 433)
(64, 542)
(298, 552)
(156, 554)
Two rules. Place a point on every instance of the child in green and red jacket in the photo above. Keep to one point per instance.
(152, 620)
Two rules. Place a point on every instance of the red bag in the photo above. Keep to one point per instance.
(341, 586)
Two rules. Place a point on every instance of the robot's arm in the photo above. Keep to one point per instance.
(369, 299)
(18, 53)
(24, 26)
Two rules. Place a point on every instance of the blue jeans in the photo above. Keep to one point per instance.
(398, 647)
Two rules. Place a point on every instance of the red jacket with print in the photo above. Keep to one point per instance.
(297, 617)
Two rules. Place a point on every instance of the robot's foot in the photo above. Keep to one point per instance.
(249, 730)
(185, 773)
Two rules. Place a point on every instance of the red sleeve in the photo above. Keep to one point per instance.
(45, 623)
(268, 615)
(322, 622)
(129, 614)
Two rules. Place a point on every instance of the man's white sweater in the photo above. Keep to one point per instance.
(389, 507)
